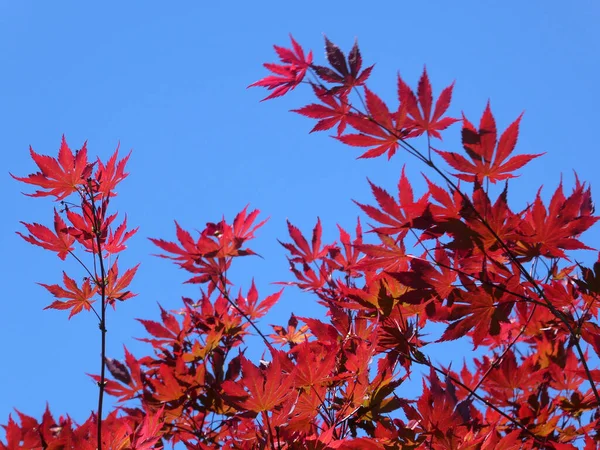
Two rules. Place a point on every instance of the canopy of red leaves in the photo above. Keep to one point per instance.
(456, 255)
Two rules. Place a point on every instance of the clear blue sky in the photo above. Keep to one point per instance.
(168, 79)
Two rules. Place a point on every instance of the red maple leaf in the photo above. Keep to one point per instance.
(79, 298)
(250, 306)
(130, 376)
(193, 256)
(61, 242)
(396, 216)
(111, 174)
(90, 224)
(346, 73)
(115, 285)
(243, 229)
(259, 390)
(115, 242)
(314, 365)
(148, 433)
(166, 386)
(380, 129)
(480, 311)
(508, 376)
(211, 254)
(288, 75)
(390, 255)
(291, 335)
(426, 281)
(487, 158)
(426, 121)
(303, 252)
(498, 217)
(189, 251)
(335, 110)
(347, 260)
(60, 176)
(549, 232)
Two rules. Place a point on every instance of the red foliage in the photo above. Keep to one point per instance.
(479, 272)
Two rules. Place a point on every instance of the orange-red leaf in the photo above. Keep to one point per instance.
(111, 174)
(264, 389)
(488, 156)
(60, 242)
(79, 298)
(59, 176)
(425, 121)
(287, 75)
(116, 286)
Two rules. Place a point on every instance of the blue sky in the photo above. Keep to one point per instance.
(168, 80)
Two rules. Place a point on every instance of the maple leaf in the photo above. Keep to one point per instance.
(291, 335)
(157, 330)
(250, 306)
(396, 216)
(361, 443)
(118, 370)
(191, 255)
(265, 389)
(149, 432)
(450, 203)
(426, 122)
(488, 156)
(60, 242)
(441, 414)
(426, 282)
(589, 284)
(115, 285)
(389, 256)
(243, 229)
(313, 365)
(111, 174)
(567, 376)
(115, 242)
(60, 176)
(166, 386)
(79, 297)
(91, 224)
(501, 223)
(508, 376)
(301, 251)
(335, 110)
(210, 255)
(480, 312)
(189, 251)
(347, 261)
(549, 232)
(348, 73)
(129, 374)
(375, 296)
(380, 129)
(18, 437)
(288, 75)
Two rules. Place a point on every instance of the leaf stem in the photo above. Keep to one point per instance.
(102, 323)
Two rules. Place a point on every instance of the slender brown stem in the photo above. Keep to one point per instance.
(102, 323)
